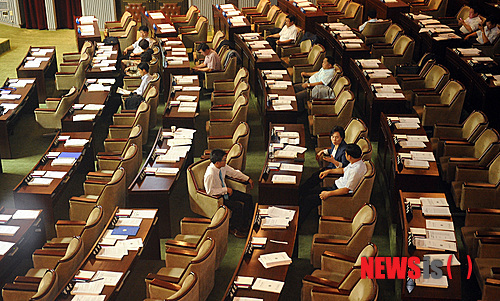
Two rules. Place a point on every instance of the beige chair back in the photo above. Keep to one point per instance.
(365, 289)
(131, 162)
(272, 14)
(189, 291)
(436, 78)
(404, 46)
(69, 263)
(113, 194)
(235, 156)
(341, 84)
(280, 20)
(196, 174)
(263, 6)
(93, 228)
(241, 135)
(392, 33)
(241, 75)
(142, 117)
(66, 102)
(353, 15)
(453, 95)
(354, 130)
(218, 230)
(316, 56)
(376, 28)
(486, 146)
(344, 106)
(152, 98)
(474, 125)
(366, 148)
(204, 266)
(47, 288)
(217, 39)
(354, 275)
(130, 35)
(494, 171)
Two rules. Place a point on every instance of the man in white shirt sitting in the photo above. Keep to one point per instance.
(135, 48)
(486, 34)
(372, 17)
(352, 175)
(238, 202)
(287, 35)
(321, 77)
(471, 24)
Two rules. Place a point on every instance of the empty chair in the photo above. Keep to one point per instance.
(214, 44)
(45, 290)
(123, 123)
(365, 289)
(444, 106)
(334, 9)
(189, 19)
(468, 131)
(119, 25)
(126, 37)
(434, 8)
(353, 16)
(223, 121)
(479, 222)
(420, 69)
(267, 27)
(51, 116)
(354, 130)
(72, 75)
(222, 98)
(131, 162)
(229, 85)
(374, 29)
(379, 43)
(241, 135)
(344, 235)
(261, 8)
(306, 63)
(337, 269)
(200, 202)
(194, 231)
(470, 182)
(73, 57)
(491, 289)
(288, 50)
(401, 53)
(432, 81)
(118, 146)
(324, 117)
(187, 290)
(347, 205)
(190, 34)
(271, 15)
(107, 194)
(479, 153)
(229, 72)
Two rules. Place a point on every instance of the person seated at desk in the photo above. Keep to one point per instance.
(352, 174)
(211, 63)
(238, 202)
(287, 35)
(471, 24)
(321, 77)
(135, 97)
(486, 34)
(135, 49)
(146, 56)
(372, 17)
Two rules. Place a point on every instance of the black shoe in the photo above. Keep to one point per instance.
(238, 234)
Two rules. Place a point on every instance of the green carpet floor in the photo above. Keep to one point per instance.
(29, 145)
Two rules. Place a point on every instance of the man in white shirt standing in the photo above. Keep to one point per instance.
(352, 175)
(287, 35)
(471, 24)
(238, 202)
(321, 77)
(372, 17)
(486, 34)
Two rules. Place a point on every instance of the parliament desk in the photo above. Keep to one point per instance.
(172, 116)
(97, 72)
(368, 104)
(266, 109)
(220, 22)
(151, 191)
(454, 290)
(341, 54)
(386, 10)
(482, 94)
(425, 42)
(282, 194)
(304, 19)
(168, 67)
(29, 237)
(82, 36)
(156, 22)
(124, 266)
(250, 266)
(396, 175)
(69, 124)
(25, 104)
(47, 68)
(45, 197)
(252, 63)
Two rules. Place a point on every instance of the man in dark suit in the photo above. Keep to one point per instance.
(335, 156)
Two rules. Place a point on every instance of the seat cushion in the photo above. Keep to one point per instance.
(188, 238)
(61, 240)
(172, 272)
(36, 273)
(330, 275)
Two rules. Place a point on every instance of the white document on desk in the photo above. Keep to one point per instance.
(8, 230)
(109, 278)
(292, 167)
(439, 225)
(284, 179)
(26, 214)
(5, 246)
(267, 285)
(88, 288)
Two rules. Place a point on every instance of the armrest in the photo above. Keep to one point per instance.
(321, 281)
(152, 276)
(31, 287)
(81, 199)
(339, 256)
(58, 253)
(336, 219)
(329, 241)
(329, 290)
(56, 245)
(27, 279)
(196, 220)
(480, 185)
(179, 244)
(468, 160)
(165, 284)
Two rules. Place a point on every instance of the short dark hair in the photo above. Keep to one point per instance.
(291, 18)
(330, 60)
(147, 55)
(492, 19)
(353, 150)
(144, 44)
(339, 130)
(144, 28)
(203, 47)
(372, 13)
(143, 66)
(216, 155)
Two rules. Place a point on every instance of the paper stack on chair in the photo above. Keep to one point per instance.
(275, 259)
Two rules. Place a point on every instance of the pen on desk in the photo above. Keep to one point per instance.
(279, 242)
(88, 280)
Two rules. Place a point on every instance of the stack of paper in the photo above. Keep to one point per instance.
(243, 282)
(277, 212)
(74, 142)
(4, 218)
(88, 288)
(144, 213)
(282, 154)
(167, 171)
(292, 167)
(435, 245)
(40, 182)
(259, 241)
(130, 221)
(436, 202)
(111, 253)
(63, 162)
(275, 259)
(267, 285)
(469, 51)
(441, 235)
(436, 211)
(109, 278)
(439, 225)
(431, 282)
(26, 214)
(416, 164)
(187, 107)
(157, 15)
(8, 230)
(412, 144)
(275, 223)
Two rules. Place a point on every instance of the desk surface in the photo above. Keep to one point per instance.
(85, 97)
(43, 65)
(252, 267)
(221, 22)
(153, 23)
(96, 72)
(81, 37)
(305, 19)
(172, 116)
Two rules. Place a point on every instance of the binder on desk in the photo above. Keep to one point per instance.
(125, 230)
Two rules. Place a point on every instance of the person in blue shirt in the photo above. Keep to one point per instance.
(322, 77)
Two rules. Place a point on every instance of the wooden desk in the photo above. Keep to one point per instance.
(252, 266)
(44, 197)
(368, 103)
(151, 191)
(252, 63)
(86, 97)
(169, 69)
(81, 38)
(421, 180)
(29, 237)
(304, 20)
(220, 22)
(26, 104)
(152, 24)
(96, 72)
(281, 194)
(387, 10)
(124, 266)
(46, 69)
(481, 94)
(172, 116)
(269, 114)
(454, 290)
(341, 54)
